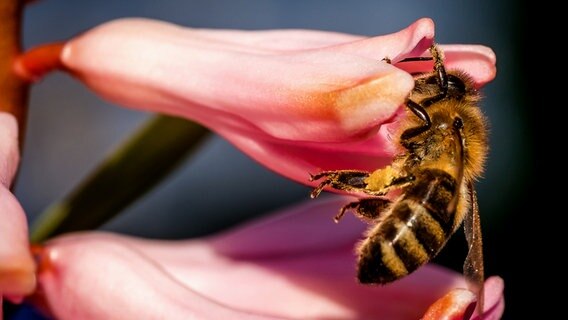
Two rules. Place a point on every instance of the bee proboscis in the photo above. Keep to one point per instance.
(443, 143)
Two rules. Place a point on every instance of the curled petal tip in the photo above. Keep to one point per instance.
(37, 62)
(423, 32)
(425, 25)
(458, 304)
(411, 41)
(476, 60)
(494, 302)
(461, 304)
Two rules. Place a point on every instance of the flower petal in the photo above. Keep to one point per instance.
(475, 60)
(16, 264)
(413, 41)
(110, 280)
(283, 266)
(277, 40)
(458, 304)
(9, 151)
(310, 95)
(494, 302)
(302, 229)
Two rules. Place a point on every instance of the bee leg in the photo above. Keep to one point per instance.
(347, 180)
(381, 181)
(410, 59)
(419, 111)
(441, 77)
(377, 183)
(365, 209)
(419, 108)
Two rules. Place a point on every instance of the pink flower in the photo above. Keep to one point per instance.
(297, 101)
(296, 264)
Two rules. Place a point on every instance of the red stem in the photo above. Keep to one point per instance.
(13, 90)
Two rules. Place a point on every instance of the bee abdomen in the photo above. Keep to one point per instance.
(412, 233)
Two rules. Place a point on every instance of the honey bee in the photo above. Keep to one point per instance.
(443, 139)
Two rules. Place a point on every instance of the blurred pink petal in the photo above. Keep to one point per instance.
(494, 301)
(9, 150)
(17, 270)
(314, 100)
(106, 280)
(295, 264)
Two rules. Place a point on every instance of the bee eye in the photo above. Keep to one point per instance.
(458, 123)
(456, 84)
(432, 80)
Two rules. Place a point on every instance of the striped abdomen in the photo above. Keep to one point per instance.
(413, 231)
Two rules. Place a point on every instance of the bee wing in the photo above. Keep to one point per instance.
(473, 265)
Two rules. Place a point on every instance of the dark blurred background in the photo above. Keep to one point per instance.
(70, 129)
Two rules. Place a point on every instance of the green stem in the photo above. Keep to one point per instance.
(128, 173)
